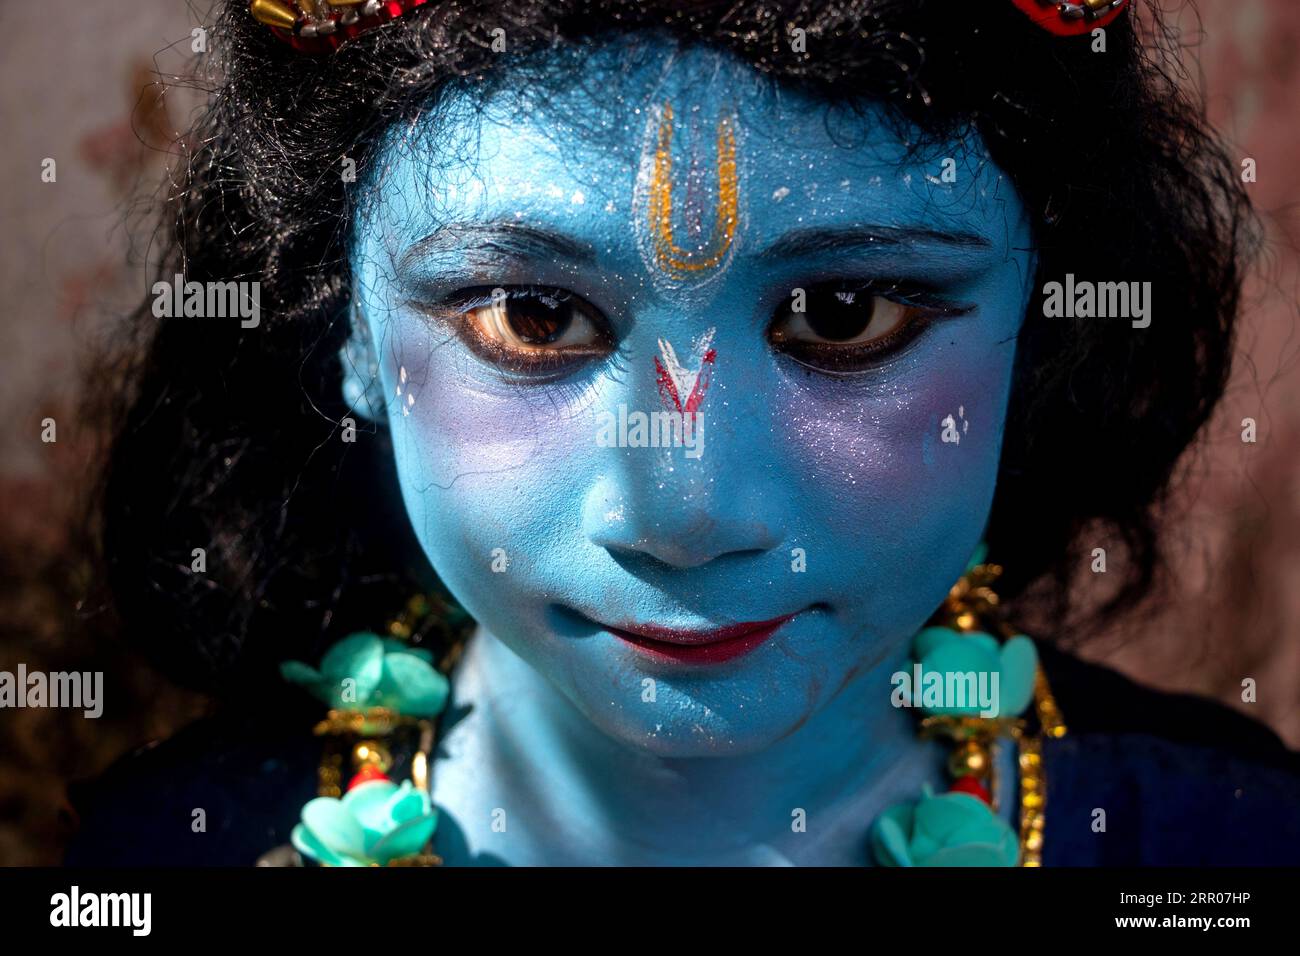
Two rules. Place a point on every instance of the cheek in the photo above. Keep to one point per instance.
(482, 466)
(893, 441)
(884, 493)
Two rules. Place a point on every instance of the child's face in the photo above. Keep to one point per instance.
(841, 298)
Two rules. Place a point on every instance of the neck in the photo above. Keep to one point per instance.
(596, 799)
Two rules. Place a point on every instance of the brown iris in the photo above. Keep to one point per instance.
(844, 328)
(531, 328)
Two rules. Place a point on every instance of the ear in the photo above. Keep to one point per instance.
(362, 389)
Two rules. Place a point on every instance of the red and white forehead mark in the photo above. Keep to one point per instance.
(680, 388)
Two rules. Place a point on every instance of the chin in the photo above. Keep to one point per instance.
(683, 739)
(691, 717)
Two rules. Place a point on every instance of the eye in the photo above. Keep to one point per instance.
(846, 327)
(530, 329)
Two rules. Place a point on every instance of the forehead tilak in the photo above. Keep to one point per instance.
(687, 211)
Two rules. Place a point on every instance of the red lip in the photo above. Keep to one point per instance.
(699, 647)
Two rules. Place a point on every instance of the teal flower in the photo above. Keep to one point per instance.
(365, 670)
(945, 651)
(953, 829)
(373, 824)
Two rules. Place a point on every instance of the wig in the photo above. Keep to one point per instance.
(228, 439)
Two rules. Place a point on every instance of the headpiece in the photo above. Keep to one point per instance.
(316, 26)
(1071, 17)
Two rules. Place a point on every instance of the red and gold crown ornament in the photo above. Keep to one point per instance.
(318, 26)
(1069, 18)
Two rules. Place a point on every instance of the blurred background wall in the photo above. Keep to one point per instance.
(90, 86)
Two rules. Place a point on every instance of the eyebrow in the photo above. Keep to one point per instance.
(805, 242)
(503, 237)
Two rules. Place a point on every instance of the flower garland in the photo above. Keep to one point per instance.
(959, 649)
(384, 695)
(382, 692)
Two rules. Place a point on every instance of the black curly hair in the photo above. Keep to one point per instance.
(228, 440)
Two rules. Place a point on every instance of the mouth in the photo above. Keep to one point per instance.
(671, 645)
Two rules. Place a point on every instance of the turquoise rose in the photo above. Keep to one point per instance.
(374, 823)
(365, 670)
(953, 829)
(944, 651)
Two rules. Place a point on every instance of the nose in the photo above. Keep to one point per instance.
(675, 524)
(665, 506)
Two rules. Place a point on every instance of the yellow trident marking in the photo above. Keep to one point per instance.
(668, 255)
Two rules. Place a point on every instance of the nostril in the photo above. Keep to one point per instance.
(747, 555)
(655, 559)
(665, 558)
(644, 533)
(657, 554)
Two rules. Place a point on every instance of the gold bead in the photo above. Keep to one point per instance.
(965, 621)
(420, 772)
(273, 13)
(371, 753)
(970, 759)
(1034, 841)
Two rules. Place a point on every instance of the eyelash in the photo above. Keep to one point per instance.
(554, 367)
(544, 367)
(850, 360)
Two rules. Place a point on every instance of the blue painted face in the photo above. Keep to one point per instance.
(545, 270)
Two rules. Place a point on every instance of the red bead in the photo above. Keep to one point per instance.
(1049, 17)
(366, 774)
(973, 787)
